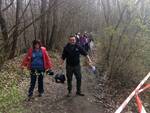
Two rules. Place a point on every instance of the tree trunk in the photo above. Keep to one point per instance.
(15, 32)
(4, 31)
(42, 31)
(54, 32)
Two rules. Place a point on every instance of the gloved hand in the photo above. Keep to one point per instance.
(50, 72)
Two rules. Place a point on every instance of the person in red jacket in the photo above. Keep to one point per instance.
(37, 61)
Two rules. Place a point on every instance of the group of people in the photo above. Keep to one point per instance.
(85, 40)
(38, 62)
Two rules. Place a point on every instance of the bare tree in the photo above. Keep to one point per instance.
(5, 47)
(42, 31)
(15, 32)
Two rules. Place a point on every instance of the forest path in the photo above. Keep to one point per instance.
(56, 101)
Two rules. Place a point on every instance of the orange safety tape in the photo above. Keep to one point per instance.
(141, 109)
(139, 103)
(123, 105)
(146, 86)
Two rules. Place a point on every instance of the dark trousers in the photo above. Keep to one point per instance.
(76, 70)
(34, 74)
(87, 47)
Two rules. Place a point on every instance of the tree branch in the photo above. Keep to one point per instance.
(12, 1)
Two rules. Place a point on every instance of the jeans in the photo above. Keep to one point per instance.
(34, 74)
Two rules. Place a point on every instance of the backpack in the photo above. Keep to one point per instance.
(60, 78)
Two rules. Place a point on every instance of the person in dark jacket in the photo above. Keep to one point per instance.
(37, 61)
(71, 53)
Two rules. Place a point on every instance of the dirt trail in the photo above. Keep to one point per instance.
(55, 100)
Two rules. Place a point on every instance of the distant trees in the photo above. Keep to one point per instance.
(47, 20)
(124, 35)
(122, 27)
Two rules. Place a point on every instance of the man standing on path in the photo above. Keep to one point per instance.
(71, 53)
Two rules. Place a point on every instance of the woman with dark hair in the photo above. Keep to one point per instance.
(37, 61)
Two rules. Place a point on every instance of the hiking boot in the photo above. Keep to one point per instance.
(69, 94)
(80, 94)
(41, 94)
(29, 97)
